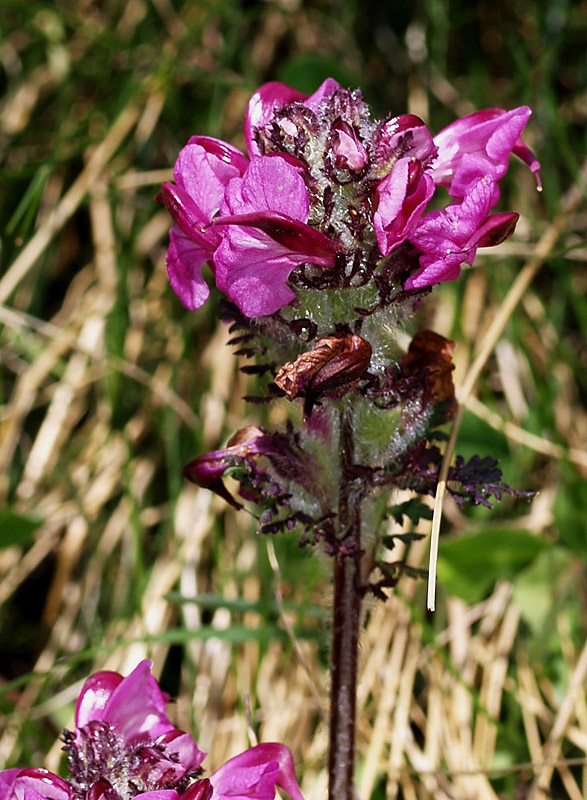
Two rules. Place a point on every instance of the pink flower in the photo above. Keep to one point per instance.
(450, 237)
(254, 774)
(202, 171)
(400, 137)
(283, 462)
(400, 199)
(135, 708)
(327, 192)
(262, 244)
(349, 152)
(125, 747)
(124, 741)
(491, 135)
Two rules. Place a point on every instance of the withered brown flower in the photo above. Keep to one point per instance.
(432, 353)
(330, 369)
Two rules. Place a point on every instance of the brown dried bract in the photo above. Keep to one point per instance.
(432, 353)
(331, 369)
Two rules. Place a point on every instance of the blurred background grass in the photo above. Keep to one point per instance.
(108, 386)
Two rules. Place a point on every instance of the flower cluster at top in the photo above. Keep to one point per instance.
(323, 240)
(329, 198)
(124, 746)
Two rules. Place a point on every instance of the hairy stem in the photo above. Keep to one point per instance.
(345, 629)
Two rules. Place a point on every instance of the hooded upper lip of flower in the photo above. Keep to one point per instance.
(491, 134)
(401, 197)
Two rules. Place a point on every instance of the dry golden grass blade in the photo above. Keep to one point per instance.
(532, 708)
(19, 106)
(401, 719)
(545, 246)
(375, 642)
(376, 736)
(46, 539)
(23, 398)
(64, 339)
(104, 241)
(492, 688)
(570, 784)
(70, 201)
(539, 787)
(569, 653)
(459, 723)
(132, 180)
(436, 786)
(68, 556)
(61, 417)
(516, 434)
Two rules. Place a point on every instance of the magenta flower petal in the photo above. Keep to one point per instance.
(496, 230)
(252, 270)
(124, 743)
(94, 697)
(312, 244)
(492, 133)
(269, 184)
(204, 168)
(184, 262)
(349, 152)
(136, 707)
(400, 137)
(202, 171)
(262, 245)
(449, 238)
(7, 780)
(436, 269)
(401, 198)
(527, 156)
(471, 168)
(180, 750)
(323, 93)
(261, 106)
(222, 150)
(105, 792)
(188, 217)
(32, 784)
(254, 774)
(199, 790)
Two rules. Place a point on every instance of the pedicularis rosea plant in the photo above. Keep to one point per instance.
(324, 240)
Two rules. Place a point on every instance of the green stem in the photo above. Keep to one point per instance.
(345, 630)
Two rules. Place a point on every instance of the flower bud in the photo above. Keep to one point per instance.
(207, 470)
(348, 150)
